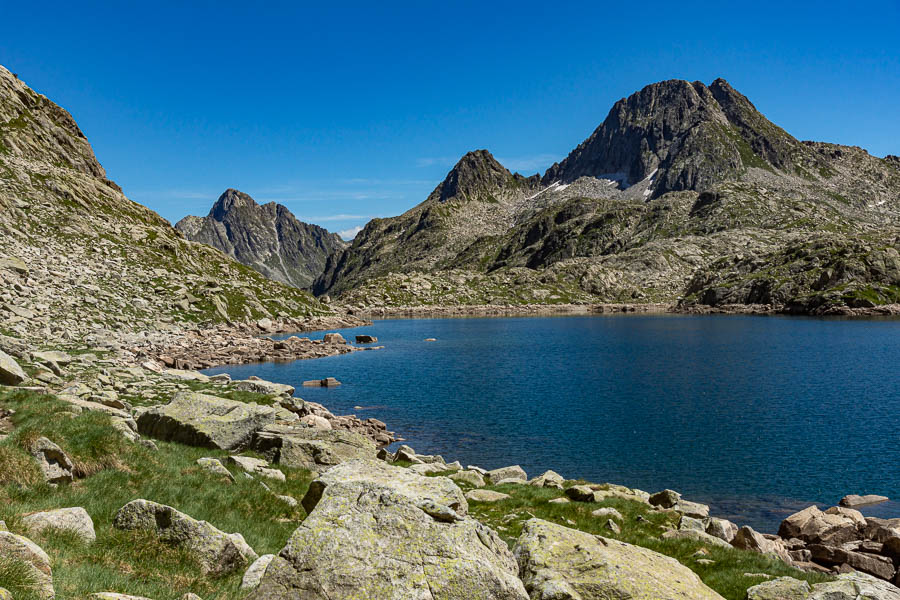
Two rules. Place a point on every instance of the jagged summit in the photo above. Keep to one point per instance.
(476, 173)
(682, 135)
(267, 237)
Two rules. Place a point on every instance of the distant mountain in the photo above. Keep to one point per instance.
(684, 193)
(267, 238)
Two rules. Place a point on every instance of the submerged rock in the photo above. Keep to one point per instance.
(561, 563)
(852, 500)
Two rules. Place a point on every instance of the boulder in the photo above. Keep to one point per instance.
(327, 382)
(366, 339)
(10, 371)
(852, 500)
(607, 513)
(690, 523)
(255, 572)
(850, 586)
(308, 448)
(315, 421)
(692, 509)
(261, 386)
(370, 539)
(556, 562)
(485, 496)
(693, 534)
(513, 472)
(721, 528)
(115, 596)
(202, 420)
(75, 519)
(216, 551)
(472, 478)
(580, 493)
(832, 527)
(548, 479)
(665, 499)
(879, 566)
(334, 338)
(214, 466)
(881, 530)
(748, 539)
(37, 562)
(56, 466)
(415, 487)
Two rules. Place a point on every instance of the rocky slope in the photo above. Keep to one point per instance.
(80, 260)
(266, 238)
(678, 181)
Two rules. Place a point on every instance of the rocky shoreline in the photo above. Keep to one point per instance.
(497, 310)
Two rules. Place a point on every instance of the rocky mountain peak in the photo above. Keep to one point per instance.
(230, 200)
(476, 173)
(680, 135)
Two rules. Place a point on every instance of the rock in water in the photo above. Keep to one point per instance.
(202, 420)
(852, 500)
(558, 562)
(366, 339)
(216, 551)
(10, 371)
(368, 539)
(27, 552)
(75, 519)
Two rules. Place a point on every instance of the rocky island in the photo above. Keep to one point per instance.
(127, 474)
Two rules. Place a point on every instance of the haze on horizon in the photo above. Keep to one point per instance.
(343, 114)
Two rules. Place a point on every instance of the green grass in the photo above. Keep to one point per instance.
(116, 472)
(725, 575)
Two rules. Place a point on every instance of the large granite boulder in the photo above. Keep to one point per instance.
(849, 586)
(74, 519)
(10, 371)
(37, 562)
(56, 466)
(834, 526)
(748, 539)
(311, 448)
(203, 420)
(566, 564)
(879, 566)
(217, 552)
(367, 538)
(415, 487)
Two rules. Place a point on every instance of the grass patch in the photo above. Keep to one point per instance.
(118, 471)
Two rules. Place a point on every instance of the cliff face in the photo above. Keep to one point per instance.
(678, 178)
(267, 238)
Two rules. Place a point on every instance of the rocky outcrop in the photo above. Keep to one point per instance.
(310, 448)
(215, 551)
(75, 520)
(848, 586)
(267, 238)
(369, 538)
(558, 562)
(10, 371)
(203, 420)
(56, 466)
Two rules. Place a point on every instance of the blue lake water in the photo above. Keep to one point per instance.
(757, 416)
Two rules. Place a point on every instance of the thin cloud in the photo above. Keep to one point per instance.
(349, 234)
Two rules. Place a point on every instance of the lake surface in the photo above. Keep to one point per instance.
(757, 416)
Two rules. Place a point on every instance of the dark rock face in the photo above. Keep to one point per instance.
(266, 238)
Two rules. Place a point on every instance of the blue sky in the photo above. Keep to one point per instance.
(353, 110)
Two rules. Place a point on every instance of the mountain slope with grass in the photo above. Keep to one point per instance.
(679, 179)
(266, 238)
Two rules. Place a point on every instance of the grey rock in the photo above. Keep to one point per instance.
(853, 500)
(22, 549)
(75, 519)
(512, 472)
(309, 448)
(10, 371)
(486, 496)
(255, 572)
(215, 466)
(471, 478)
(56, 466)
(665, 499)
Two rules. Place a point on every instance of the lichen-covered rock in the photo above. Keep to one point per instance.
(566, 564)
(74, 519)
(19, 548)
(56, 466)
(115, 596)
(782, 588)
(485, 496)
(5, 594)
(472, 478)
(10, 371)
(215, 466)
(216, 551)
(310, 448)
(365, 539)
(514, 472)
(414, 487)
(203, 420)
(548, 479)
(255, 572)
(848, 586)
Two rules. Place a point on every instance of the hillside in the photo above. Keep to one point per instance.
(678, 181)
(78, 258)
(267, 238)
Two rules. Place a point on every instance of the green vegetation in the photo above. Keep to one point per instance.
(113, 472)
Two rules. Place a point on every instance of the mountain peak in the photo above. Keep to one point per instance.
(229, 200)
(475, 173)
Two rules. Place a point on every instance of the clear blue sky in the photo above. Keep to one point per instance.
(352, 110)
